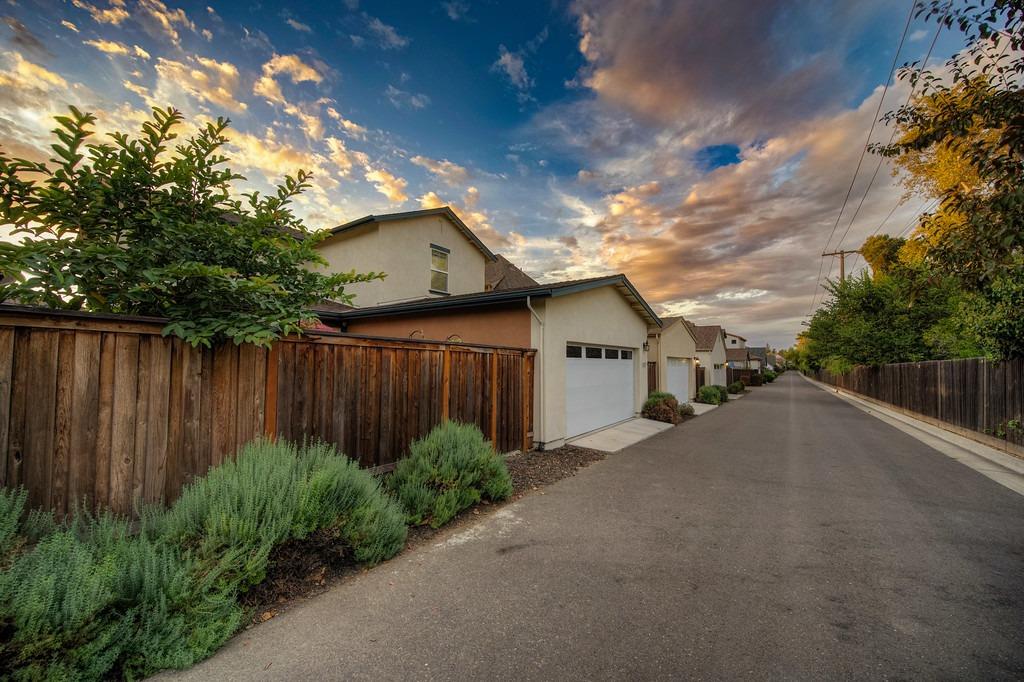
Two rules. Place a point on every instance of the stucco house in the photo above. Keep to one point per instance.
(589, 334)
(711, 352)
(758, 357)
(734, 341)
(673, 350)
(737, 358)
(429, 253)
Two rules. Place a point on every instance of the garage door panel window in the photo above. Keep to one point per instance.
(574, 351)
(593, 353)
(611, 353)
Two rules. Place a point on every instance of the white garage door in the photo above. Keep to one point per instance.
(598, 387)
(679, 379)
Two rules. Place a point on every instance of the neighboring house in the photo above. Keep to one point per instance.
(429, 253)
(711, 352)
(734, 341)
(737, 358)
(673, 351)
(502, 274)
(590, 368)
(758, 357)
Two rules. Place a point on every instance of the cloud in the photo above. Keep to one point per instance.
(343, 159)
(308, 119)
(387, 184)
(456, 9)
(402, 99)
(290, 65)
(513, 65)
(162, 22)
(634, 49)
(137, 89)
(448, 172)
(108, 46)
(68, 25)
(205, 79)
(477, 220)
(387, 37)
(298, 25)
(113, 14)
(25, 40)
(350, 127)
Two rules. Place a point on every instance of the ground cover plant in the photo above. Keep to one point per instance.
(661, 406)
(91, 598)
(449, 470)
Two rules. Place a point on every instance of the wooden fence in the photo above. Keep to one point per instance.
(981, 399)
(105, 410)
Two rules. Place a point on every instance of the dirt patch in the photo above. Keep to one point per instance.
(300, 569)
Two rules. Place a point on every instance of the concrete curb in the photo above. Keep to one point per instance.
(999, 466)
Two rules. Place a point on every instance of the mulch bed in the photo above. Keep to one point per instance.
(300, 569)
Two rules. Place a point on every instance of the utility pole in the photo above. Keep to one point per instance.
(842, 261)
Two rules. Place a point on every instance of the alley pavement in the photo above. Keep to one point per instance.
(788, 535)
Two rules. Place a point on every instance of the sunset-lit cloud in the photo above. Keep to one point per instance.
(702, 150)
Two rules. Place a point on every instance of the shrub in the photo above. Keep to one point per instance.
(452, 468)
(754, 380)
(709, 395)
(736, 387)
(662, 407)
(686, 410)
(723, 393)
(770, 376)
(94, 600)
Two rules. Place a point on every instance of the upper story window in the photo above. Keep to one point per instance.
(439, 269)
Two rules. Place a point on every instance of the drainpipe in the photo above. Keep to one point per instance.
(539, 413)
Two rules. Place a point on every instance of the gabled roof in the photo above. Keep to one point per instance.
(390, 217)
(736, 335)
(482, 298)
(758, 352)
(667, 322)
(736, 354)
(706, 335)
(502, 274)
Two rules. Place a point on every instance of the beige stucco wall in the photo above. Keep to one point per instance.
(733, 341)
(708, 360)
(401, 249)
(674, 341)
(599, 316)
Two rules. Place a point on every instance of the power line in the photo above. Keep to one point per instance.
(871, 130)
(892, 136)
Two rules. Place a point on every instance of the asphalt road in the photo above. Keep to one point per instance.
(786, 535)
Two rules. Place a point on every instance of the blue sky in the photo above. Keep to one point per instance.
(701, 148)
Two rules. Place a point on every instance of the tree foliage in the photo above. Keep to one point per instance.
(134, 226)
(962, 142)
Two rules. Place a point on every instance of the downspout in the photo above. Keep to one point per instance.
(539, 413)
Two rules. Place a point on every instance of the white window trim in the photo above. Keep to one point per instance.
(441, 251)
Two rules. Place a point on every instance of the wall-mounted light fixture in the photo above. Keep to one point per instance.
(647, 346)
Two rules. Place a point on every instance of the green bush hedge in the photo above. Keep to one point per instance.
(686, 410)
(709, 395)
(452, 468)
(736, 387)
(662, 407)
(723, 392)
(770, 376)
(90, 599)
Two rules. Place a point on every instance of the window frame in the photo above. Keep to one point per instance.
(435, 249)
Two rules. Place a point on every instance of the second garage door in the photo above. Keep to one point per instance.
(679, 378)
(598, 387)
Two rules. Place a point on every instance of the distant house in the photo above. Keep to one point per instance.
(444, 284)
(737, 358)
(734, 341)
(673, 353)
(758, 357)
(711, 352)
